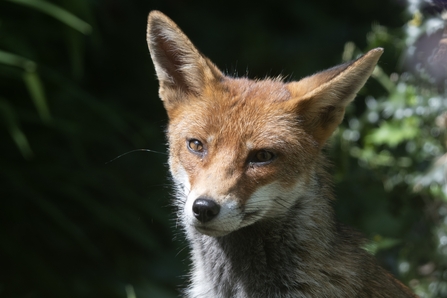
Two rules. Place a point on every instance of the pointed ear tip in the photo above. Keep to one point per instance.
(156, 16)
(371, 57)
(377, 52)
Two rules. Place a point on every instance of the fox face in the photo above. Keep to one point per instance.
(239, 154)
(242, 151)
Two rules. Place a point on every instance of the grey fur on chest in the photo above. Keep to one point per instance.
(263, 260)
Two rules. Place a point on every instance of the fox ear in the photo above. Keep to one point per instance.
(321, 99)
(180, 67)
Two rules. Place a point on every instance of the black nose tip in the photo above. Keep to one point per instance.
(205, 209)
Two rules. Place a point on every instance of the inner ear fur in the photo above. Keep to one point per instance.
(180, 67)
(321, 99)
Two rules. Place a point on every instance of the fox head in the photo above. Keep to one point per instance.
(241, 150)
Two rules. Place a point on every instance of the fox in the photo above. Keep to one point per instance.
(252, 189)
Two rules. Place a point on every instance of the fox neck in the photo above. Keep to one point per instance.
(268, 254)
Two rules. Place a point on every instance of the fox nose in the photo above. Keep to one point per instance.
(205, 209)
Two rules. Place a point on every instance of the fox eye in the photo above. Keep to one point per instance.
(195, 146)
(263, 156)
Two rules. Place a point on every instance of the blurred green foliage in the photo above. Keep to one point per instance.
(399, 140)
(77, 89)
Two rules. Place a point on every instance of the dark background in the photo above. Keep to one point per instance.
(75, 96)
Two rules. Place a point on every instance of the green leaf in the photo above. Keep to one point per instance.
(32, 82)
(17, 61)
(130, 292)
(14, 129)
(393, 134)
(380, 243)
(36, 91)
(58, 13)
(383, 79)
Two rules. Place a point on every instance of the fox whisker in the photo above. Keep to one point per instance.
(136, 150)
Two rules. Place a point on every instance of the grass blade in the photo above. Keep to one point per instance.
(14, 129)
(32, 82)
(36, 91)
(58, 13)
(16, 60)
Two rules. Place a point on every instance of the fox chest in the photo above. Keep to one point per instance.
(251, 269)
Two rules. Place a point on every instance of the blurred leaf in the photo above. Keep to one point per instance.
(383, 79)
(130, 292)
(392, 134)
(58, 13)
(32, 82)
(76, 51)
(14, 129)
(16, 60)
(35, 89)
(380, 243)
(348, 52)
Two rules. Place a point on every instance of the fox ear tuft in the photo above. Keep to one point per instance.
(321, 99)
(178, 64)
